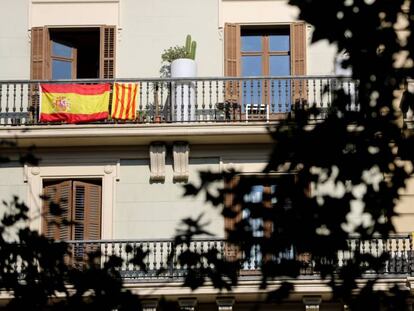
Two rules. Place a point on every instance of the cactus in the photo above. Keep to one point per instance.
(190, 47)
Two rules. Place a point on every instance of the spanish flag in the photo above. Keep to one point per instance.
(73, 103)
(124, 101)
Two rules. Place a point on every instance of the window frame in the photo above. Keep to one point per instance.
(73, 60)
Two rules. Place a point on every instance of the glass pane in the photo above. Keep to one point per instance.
(251, 43)
(59, 49)
(279, 43)
(281, 101)
(251, 66)
(252, 89)
(61, 69)
(279, 65)
(255, 195)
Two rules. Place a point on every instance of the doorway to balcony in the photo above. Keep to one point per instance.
(72, 209)
(74, 53)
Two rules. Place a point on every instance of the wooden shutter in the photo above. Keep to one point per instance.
(298, 61)
(107, 54)
(54, 227)
(40, 53)
(86, 210)
(232, 62)
(231, 252)
(231, 50)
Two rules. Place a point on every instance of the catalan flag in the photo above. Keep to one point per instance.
(74, 103)
(124, 101)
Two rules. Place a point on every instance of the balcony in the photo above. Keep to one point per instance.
(399, 265)
(193, 100)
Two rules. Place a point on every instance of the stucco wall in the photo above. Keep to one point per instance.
(150, 27)
(12, 184)
(14, 42)
(154, 210)
(72, 13)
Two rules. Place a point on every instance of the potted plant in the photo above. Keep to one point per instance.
(179, 62)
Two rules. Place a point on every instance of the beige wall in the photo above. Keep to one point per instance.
(12, 183)
(154, 210)
(150, 27)
(14, 42)
(72, 13)
(404, 222)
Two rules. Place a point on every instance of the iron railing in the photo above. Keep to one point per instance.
(215, 99)
(398, 248)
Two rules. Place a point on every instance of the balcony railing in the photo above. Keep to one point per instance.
(399, 249)
(195, 99)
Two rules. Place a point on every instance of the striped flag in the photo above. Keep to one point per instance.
(74, 103)
(124, 101)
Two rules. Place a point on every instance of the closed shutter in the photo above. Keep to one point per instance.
(80, 203)
(57, 227)
(107, 54)
(232, 61)
(86, 211)
(298, 62)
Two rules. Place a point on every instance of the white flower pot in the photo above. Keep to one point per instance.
(183, 99)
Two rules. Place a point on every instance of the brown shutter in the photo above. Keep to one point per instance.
(298, 61)
(231, 252)
(87, 210)
(231, 50)
(232, 67)
(54, 227)
(39, 65)
(107, 54)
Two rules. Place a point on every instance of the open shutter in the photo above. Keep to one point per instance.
(39, 65)
(298, 62)
(231, 252)
(107, 54)
(232, 63)
(231, 50)
(54, 227)
(87, 210)
(40, 52)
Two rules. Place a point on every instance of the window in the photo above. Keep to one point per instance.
(252, 51)
(73, 53)
(264, 191)
(79, 203)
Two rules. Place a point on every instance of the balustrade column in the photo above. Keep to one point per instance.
(149, 305)
(312, 302)
(187, 304)
(225, 303)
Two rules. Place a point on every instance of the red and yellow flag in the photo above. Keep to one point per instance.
(74, 103)
(124, 101)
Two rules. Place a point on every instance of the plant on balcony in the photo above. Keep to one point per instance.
(187, 51)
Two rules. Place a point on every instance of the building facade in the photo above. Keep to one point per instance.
(125, 178)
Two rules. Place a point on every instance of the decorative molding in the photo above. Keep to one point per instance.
(108, 169)
(187, 304)
(35, 170)
(225, 303)
(157, 153)
(312, 302)
(149, 305)
(181, 154)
